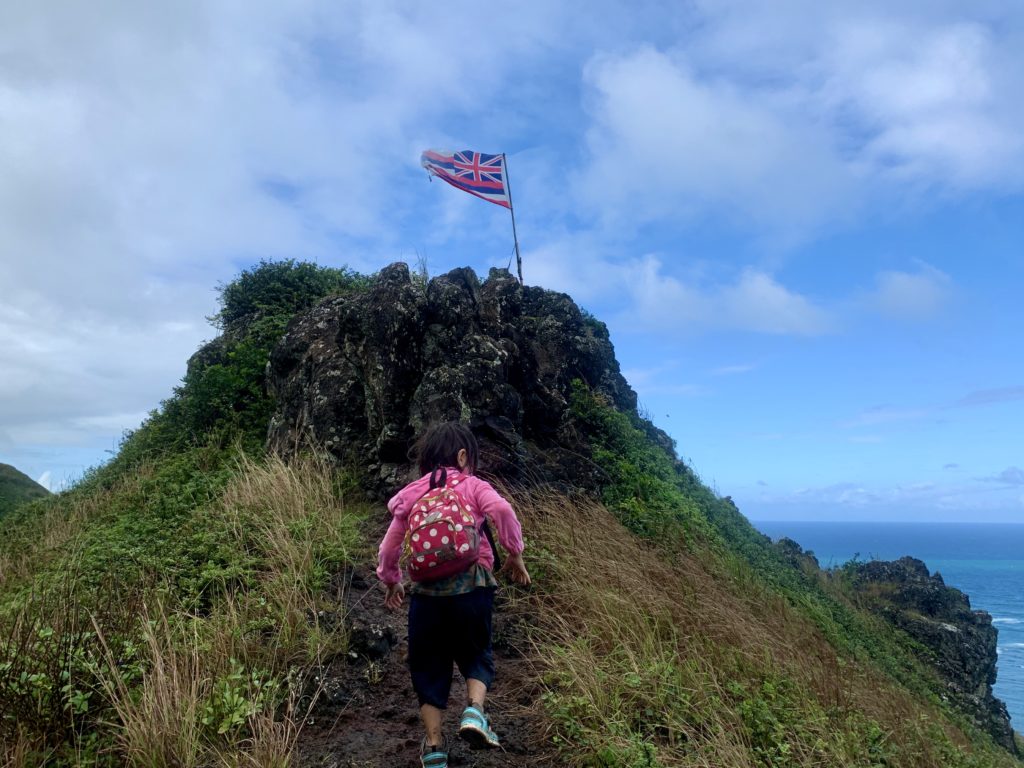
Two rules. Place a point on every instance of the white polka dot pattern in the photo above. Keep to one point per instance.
(443, 536)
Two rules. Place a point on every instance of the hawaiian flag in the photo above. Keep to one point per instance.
(474, 172)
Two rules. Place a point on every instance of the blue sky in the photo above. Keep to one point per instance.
(803, 223)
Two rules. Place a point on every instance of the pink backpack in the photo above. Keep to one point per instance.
(443, 538)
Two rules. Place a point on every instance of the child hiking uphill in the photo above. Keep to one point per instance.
(438, 520)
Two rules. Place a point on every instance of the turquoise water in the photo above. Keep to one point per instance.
(984, 560)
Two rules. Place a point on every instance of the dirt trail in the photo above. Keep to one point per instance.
(366, 715)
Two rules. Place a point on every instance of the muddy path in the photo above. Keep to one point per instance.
(365, 713)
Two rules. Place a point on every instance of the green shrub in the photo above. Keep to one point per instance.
(223, 397)
(275, 288)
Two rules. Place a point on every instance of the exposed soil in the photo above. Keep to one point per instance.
(365, 713)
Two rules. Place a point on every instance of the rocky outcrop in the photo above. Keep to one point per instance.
(361, 374)
(959, 642)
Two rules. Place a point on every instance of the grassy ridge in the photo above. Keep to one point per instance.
(164, 610)
(126, 645)
(862, 660)
(662, 499)
(679, 666)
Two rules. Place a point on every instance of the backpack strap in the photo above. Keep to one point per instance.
(442, 482)
(486, 528)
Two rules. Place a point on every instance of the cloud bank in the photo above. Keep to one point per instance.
(148, 152)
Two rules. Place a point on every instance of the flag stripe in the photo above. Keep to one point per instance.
(479, 174)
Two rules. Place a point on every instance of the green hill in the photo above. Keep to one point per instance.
(16, 488)
(207, 597)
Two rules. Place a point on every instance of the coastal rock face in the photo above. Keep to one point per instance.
(362, 374)
(961, 642)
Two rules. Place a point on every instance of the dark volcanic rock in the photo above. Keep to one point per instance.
(362, 374)
(371, 641)
(961, 642)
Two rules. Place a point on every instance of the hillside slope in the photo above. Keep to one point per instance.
(662, 629)
(16, 488)
(538, 381)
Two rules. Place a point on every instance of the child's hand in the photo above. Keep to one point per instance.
(516, 569)
(394, 596)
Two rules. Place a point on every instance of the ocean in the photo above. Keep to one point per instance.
(984, 560)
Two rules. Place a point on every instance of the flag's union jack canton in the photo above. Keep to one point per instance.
(474, 172)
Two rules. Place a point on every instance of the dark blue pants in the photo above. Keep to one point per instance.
(449, 630)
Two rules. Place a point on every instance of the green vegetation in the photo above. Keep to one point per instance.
(168, 610)
(662, 499)
(187, 585)
(280, 288)
(165, 610)
(222, 397)
(17, 488)
(714, 648)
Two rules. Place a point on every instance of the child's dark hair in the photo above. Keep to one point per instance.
(439, 447)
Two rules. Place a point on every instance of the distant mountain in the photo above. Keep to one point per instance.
(16, 488)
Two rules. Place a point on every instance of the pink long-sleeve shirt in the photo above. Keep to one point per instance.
(486, 503)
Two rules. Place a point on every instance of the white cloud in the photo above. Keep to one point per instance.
(758, 302)
(912, 295)
(751, 301)
(886, 414)
(577, 266)
(651, 298)
(44, 480)
(879, 415)
(754, 302)
(991, 396)
(662, 379)
(1012, 476)
(660, 299)
(667, 142)
(733, 370)
(905, 500)
(929, 97)
(643, 377)
(148, 151)
(67, 378)
(794, 116)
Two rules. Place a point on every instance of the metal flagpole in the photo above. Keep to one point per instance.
(512, 210)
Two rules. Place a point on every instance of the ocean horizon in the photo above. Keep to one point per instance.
(984, 560)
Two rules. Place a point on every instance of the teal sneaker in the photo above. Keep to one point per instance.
(475, 730)
(434, 757)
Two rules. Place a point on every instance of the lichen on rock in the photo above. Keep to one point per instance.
(362, 374)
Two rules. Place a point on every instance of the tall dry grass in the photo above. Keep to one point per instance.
(192, 707)
(293, 518)
(646, 661)
(215, 686)
(289, 517)
(49, 662)
(159, 722)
